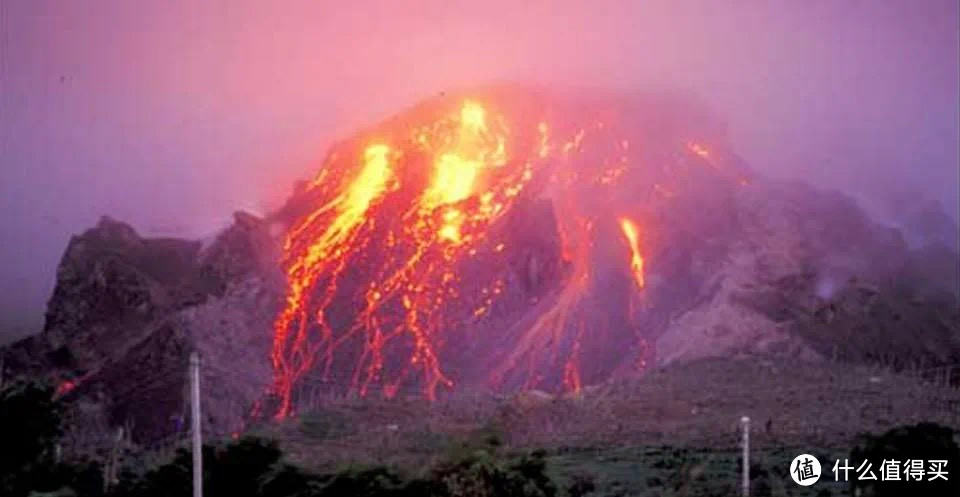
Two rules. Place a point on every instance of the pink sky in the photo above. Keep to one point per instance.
(172, 114)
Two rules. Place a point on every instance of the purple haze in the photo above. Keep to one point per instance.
(172, 114)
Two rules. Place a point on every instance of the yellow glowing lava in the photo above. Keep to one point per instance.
(453, 179)
(305, 267)
(473, 116)
(457, 172)
(386, 259)
(353, 205)
(636, 260)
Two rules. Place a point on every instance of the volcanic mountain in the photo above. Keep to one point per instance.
(500, 238)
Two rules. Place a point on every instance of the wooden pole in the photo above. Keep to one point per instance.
(745, 482)
(195, 423)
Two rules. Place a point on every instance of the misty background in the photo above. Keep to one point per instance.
(172, 114)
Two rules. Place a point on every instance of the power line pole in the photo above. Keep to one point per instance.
(195, 423)
(745, 483)
(110, 470)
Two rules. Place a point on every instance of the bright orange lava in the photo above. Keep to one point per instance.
(467, 190)
(401, 213)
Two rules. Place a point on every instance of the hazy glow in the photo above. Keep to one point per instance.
(171, 114)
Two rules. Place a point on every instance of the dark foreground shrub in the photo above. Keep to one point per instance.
(364, 482)
(924, 442)
(484, 473)
(238, 469)
(252, 468)
(30, 426)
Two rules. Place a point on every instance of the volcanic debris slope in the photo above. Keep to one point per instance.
(725, 263)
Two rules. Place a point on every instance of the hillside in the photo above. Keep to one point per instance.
(498, 240)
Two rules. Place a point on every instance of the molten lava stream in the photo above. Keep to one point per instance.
(313, 252)
(471, 186)
(630, 231)
(373, 273)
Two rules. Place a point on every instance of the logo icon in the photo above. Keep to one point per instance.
(805, 470)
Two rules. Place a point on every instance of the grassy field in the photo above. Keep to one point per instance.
(672, 432)
(688, 471)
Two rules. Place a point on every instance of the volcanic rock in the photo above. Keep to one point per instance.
(534, 286)
(127, 311)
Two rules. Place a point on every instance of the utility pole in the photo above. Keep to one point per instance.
(110, 470)
(745, 483)
(195, 423)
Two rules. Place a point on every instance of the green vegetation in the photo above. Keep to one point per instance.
(476, 464)
(252, 467)
(29, 430)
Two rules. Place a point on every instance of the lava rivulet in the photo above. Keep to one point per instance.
(467, 189)
(636, 260)
(326, 251)
(376, 258)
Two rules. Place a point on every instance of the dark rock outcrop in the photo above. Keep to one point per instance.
(127, 312)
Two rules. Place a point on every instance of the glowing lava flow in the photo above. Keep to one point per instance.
(293, 356)
(636, 260)
(395, 253)
(414, 274)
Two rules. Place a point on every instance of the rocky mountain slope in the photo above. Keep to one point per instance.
(128, 311)
(592, 238)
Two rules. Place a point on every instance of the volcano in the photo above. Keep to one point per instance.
(493, 238)
(501, 238)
